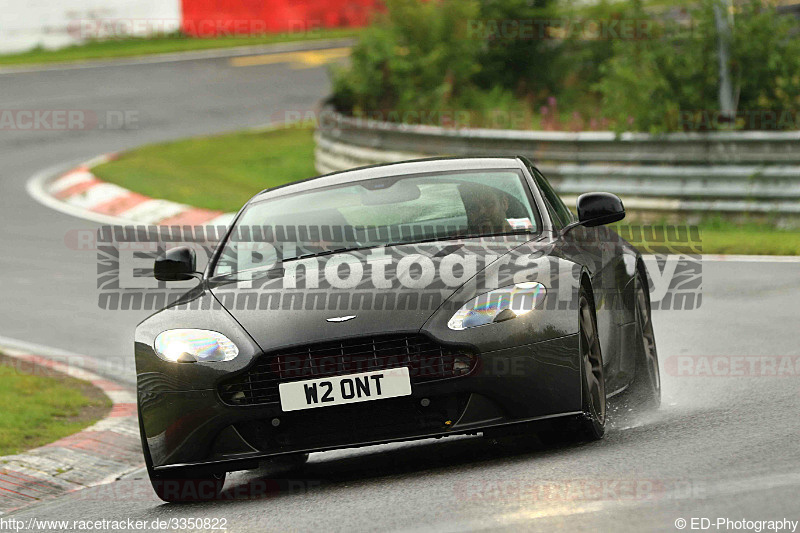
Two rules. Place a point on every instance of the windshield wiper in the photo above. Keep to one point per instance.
(331, 252)
(401, 243)
(463, 236)
(520, 231)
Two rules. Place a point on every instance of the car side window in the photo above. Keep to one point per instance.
(563, 216)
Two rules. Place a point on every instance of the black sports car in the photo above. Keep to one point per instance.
(393, 302)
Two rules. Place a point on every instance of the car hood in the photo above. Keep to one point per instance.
(294, 305)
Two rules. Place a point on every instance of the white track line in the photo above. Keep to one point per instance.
(36, 187)
(712, 258)
(153, 211)
(150, 212)
(96, 195)
(752, 258)
(69, 179)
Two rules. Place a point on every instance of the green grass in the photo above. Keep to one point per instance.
(140, 46)
(42, 406)
(750, 242)
(754, 238)
(727, 237)
(220, 172)
(224, 171)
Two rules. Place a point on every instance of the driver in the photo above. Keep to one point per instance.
(486, 208)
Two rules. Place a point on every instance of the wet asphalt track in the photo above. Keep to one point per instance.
(719, 446)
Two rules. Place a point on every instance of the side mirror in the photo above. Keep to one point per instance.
(598, 208)
(176, 264)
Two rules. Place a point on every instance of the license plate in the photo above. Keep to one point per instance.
(339, 390)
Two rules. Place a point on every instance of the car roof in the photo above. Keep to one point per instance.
(384, 170)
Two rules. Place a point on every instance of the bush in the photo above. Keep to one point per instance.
(671, 82)
(417, 58)
(516, 52)
(766, 64)
(426, 60)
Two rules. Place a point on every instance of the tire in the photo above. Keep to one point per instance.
(592, 423)
(181, 486)
(644, 393)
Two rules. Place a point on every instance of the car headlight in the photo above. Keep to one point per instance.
(498, 305)
(194, 345)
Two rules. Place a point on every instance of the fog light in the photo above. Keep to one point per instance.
(461, 364)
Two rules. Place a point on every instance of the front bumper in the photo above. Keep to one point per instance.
(510, 385)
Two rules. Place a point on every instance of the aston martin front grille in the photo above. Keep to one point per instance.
(426, 360)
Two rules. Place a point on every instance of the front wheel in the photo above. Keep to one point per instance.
(592, 423)
(644, 393)
(179, 485)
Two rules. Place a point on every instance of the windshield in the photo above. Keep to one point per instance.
(378, 212)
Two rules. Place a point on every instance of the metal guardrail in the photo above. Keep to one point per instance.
(714, 171)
